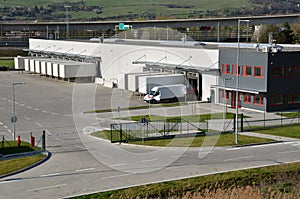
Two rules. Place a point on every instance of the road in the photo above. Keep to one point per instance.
(83, 164)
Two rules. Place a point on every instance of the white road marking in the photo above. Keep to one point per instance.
(233, 149)
(50, 174)
(87, 169)
(176, 167)
(81, 147)
(49, 187)
(3, 98)
(27, 118)
(240, 158)
(38, 124)
(36, 109)
(22, 105)
(118, 176)
(150, 160)
(285, 152)
(29, 107)
(53, 113)
(1, 123)
(44, 111)
(48, 132)
(5, 126)
(68, 115)
(16, 102)
(117, 165)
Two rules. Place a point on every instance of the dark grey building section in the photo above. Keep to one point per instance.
(268, 81)
(283, 81)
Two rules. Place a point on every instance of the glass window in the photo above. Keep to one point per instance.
(277, 100)
(258, 71)
(247, 70)
(294, 98)
(247, 98)
(277, 71)
(225, 69)
(258, 100)
(235, 69)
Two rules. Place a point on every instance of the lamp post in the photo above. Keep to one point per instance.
(237, 82)
(67, 20)
(13, 117)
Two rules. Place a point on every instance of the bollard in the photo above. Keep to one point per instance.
(32, 141)
(44, 141)
(19, 141)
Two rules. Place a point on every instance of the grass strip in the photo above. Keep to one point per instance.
(190, 118)
(225, 139)
(8, 166)
(11, 147)
(138, 107)
(268, 182)
(290, 114)
(286, 131)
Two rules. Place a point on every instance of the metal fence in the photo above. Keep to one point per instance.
(134, 131)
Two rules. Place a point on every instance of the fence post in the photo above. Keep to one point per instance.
(234, 122)
(242, 122)
(264, 119)
(164, 129)
(281, 119)
(121, 136)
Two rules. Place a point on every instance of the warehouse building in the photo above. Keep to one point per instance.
(267, 78)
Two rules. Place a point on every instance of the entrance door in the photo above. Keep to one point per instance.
(233, 95)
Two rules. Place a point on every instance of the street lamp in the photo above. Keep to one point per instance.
(67, 20)
(13, 117)
(237, 81)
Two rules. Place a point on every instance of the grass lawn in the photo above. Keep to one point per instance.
(267, 182)
(138, 107)
(7, 62)
(289, 114)
(190, 118)
(287, 131)
(11, 147)
(227, 139)
(8, 166)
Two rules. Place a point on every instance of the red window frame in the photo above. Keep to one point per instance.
(247, 98)
(245, 67)
(261, 72)
(260, 101)
(235, 70)
(277, 100)
(225, 94)
(293, 97)
(225, 68)
(278, 71)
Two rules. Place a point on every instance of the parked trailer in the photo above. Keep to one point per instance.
(78, 69)
(158, 94)
(132, 79)
(148, 82)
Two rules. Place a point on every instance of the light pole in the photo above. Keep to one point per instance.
(237, 82)
(67, 20)
(13, 117)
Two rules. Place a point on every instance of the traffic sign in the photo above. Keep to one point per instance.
(143, 120)
(13, 119)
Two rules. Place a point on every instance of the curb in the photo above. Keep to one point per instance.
(257, 144)
(48, 155)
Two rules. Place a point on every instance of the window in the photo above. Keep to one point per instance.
(258, 71)
(276, 100)
(225, 69)
(258, 100)
(247, 70)
(277, 71)
(247, 98)
(225, 94)
(294, 98)
(235, 69)
(294, 71)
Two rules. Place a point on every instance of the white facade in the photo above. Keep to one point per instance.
(117, 59)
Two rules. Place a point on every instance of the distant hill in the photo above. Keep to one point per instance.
(55, 10)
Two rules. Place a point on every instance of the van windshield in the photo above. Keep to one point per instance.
(151, 92)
